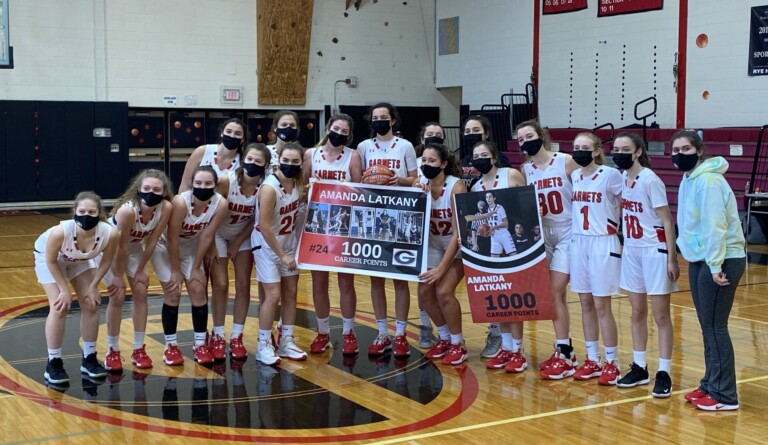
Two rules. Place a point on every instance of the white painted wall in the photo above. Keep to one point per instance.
(735, 99)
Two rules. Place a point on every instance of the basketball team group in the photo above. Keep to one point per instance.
(245, 203)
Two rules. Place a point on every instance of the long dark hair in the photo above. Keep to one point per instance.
(242, 125)
(339, 117)
(261, 148)
(639, 144)
(393, 114)
(277, 118)
(445, 155)
(694, 138)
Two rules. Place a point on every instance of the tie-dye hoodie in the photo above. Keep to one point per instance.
(707, 217)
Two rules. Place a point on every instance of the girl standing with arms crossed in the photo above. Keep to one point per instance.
(223, 157)
(332, 159)
(648, 261)
(141, 215)
(595, 255)
(65, 253)
(398, 155)
(711, 239)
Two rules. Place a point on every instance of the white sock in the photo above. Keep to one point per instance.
(138, 340)
(287, 330)
(265, 334)
(113, 342)
(495, 328)
(593, 351)
(517, 344)
(637, 356)
(218, 330)
(200, 338)
(507, 342)
(424, 318)
(324, 325)
(443, 332)
(665, 364)
(170, 340)
(89, 347)
(237, 330)
(611, 353)
(383, 328)
(457, 339)
(400, 327)
(347, 325)
(563, 341)
(54, 353)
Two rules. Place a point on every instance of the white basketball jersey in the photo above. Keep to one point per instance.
(397, 154)
(70, 250)
(441, 218)
(284, 213)
(192, 226)
(553, 189)
(210, 157)
(501, 181)
(274, 160)
(141, 230)
(336, 169)
(639, 200)
(596, 201)
(240, 208)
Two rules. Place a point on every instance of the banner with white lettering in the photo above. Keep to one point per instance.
(758, 42)
(616, 7)
(505, 263)
(558, 6)
(365, 229)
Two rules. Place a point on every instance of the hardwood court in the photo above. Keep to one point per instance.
(328, 399)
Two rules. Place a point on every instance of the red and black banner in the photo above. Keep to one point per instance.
(559, 6)
(758, 42)
(616, 7)
(365, 229)
(505, 263)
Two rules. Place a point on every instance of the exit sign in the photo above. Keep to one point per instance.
(231, 95)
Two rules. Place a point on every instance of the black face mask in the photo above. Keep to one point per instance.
(381, 127)
(231, 143)
(532, 147)
(685, 162)
(582, 157)
(290, 171)
(433, 140)
(471, 139)
(203, 194)
(253, 170)
(86, 222)
(287, 134)
(150, 199)
(430, 172)
(337, 139)
(623, 160)
(483, 165)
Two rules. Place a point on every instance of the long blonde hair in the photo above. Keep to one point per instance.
(597, 144)
(131, 194)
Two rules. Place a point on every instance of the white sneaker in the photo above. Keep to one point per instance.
(290, 350)
(265, 353)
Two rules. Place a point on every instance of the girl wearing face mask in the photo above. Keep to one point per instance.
(712, 241)
(284, 129)
(485, 158)
(595, 254)
(437, 286)
(195, 217)
(141, 215)
(274, 246)
(477, 128)
(332, 159)
(550, 173)
(66, 253)
(397, 154)
(648, 261)
(222, 157)
(233, 242)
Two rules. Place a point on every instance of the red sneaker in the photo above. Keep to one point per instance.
(456, 355)
(217, 347)
(380, 345)
(236, 348)
(202, 354)
(402, 348)
(320, 343)
(350, 344)
(439, 349)
(610, 374)
(500, 361)
(172, 356)
(695, 395)
(140, 358)
(548, 362)
(113, 361)
(559, 368)
(588, 370)
(516, 363)
(707, 403)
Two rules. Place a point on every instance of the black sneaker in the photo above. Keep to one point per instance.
(635, 376)
(663, 386)
(55, 373)
(91, 366)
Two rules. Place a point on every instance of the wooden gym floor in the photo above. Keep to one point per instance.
(330, 399)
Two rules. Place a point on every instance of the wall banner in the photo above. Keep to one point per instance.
(365, 229)
(758, 42)
(506, 269)
(558, 6)
(615, 7)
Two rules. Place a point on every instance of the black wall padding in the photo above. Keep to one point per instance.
(80, 163)
(21, 170)
(111, 167)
